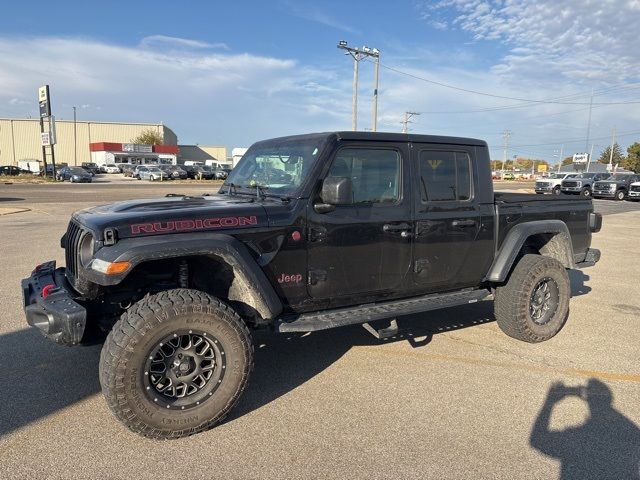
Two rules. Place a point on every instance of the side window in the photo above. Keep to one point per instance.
(444, 176)
(374, 173)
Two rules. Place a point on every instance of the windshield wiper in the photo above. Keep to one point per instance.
(260, 190)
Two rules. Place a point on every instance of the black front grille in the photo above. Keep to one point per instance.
(635, 188)
(569, 184)
(74, 234)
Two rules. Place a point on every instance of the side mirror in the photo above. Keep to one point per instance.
(335, 191)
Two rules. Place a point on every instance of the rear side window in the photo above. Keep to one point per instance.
(444, 176)
(374, 173)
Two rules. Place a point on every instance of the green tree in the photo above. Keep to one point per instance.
(606, 154)
(632, 162)
(148, 137)
(567, 161)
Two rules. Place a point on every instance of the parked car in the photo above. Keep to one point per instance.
(203, 171)
(190, 169)
(74, 175)
(634, 191)
(109, 168)
(616, 186)
(581, 184)
(91, 167)
(49, 169)
(128, 169)
(173, 172)
(220, 174)
(553, 183)
(151, 173)
(508, 176)
(367, 231)
(11, 170)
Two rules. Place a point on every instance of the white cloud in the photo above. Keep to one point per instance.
(206, 96)
(576, 39)
(153, 41)
(308, 11)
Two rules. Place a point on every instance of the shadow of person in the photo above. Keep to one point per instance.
(577, 281)
(606, 446)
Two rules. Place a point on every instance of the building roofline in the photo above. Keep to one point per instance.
(58, 120)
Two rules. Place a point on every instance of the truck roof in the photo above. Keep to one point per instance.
(392, 137)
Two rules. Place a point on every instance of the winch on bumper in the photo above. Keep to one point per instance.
(50, 305)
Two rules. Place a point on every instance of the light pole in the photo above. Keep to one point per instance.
(75, 143)
(359, 54)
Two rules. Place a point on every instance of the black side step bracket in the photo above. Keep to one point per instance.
(340, 317)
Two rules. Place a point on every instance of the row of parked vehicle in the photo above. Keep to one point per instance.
(85, 173)
(617, 186)
(174, 172)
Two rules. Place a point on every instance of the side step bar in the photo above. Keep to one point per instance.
(340, 317)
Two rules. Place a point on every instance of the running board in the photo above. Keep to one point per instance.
(340, 317)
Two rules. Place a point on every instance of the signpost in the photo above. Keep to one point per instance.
(542, 168)
(48, 136)
(580, 160)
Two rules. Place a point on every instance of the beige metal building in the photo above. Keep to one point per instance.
(20, 138)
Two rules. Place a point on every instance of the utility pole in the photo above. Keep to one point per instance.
(376, 76)
(359, 54)
(75, 143)
(613, 141)
(590, 156)
(506, 135)
(407, 120)
(560, 159)
(589, 122)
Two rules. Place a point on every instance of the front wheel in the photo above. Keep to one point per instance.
(586, 192)
(533, 305)
(556, 190)
(619, 195)
(175, 364)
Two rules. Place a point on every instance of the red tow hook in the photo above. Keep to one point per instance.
(46, 290)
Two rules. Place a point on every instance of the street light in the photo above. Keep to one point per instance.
(359, 54)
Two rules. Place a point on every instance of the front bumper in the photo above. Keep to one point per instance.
(604, 193)
(56, 313)
(633, 194)
(545, 189)
(571, 189)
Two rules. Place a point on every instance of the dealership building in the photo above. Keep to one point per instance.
(99, 142)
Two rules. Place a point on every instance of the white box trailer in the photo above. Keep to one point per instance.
(31, 165)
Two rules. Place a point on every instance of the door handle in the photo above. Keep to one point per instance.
(463, 223)
(396, 227)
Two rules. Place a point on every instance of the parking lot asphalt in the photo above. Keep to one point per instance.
(450, 397)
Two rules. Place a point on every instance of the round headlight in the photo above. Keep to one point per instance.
(85, 250)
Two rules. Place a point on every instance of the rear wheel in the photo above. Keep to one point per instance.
(620, 195)
(533, 305)
(586, 192)
(175, 364)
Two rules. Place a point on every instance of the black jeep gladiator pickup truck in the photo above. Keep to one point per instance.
(307, 233)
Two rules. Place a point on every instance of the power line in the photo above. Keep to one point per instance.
(476, 92)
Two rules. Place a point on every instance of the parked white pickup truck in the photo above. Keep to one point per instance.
(552, 183)
(634, 191)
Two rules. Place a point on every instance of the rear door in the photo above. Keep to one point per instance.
(363, 248)
(447, 253)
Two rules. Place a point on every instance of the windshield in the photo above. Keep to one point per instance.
(586, 175)
(279, 165)
(618, 176)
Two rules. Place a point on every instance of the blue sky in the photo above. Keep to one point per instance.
(235, 72)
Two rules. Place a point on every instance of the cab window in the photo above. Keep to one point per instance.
(374, 173)
(444, 176)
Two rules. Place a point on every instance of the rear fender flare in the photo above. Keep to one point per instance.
(553, 239)
(253, 283)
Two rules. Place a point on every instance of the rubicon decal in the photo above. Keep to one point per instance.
(190, 225)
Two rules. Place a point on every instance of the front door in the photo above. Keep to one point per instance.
(363, 248)
(449, 248)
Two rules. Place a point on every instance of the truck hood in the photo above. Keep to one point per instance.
(175, 214)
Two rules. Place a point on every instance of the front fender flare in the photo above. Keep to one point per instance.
(229, 249)
(558, 246)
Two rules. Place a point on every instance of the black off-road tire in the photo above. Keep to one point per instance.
(514, 300)
(556, 190)
(586, 192)
(129, 347)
